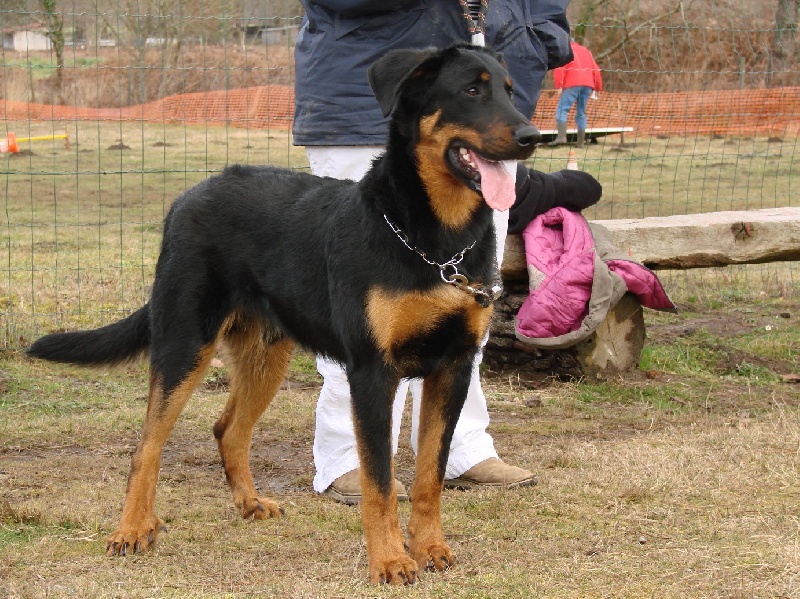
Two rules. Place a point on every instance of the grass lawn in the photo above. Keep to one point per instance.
(83, 224)
(682, 479)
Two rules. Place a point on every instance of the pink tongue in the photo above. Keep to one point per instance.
(497, 184)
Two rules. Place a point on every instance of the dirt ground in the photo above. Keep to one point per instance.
(658, 484)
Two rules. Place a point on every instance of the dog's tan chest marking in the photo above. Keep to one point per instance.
(452, 202)
(395, 318)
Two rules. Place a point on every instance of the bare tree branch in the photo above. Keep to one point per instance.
(629, 33)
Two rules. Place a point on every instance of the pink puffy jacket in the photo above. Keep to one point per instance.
(575, 277)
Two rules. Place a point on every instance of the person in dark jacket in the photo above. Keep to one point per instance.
(340, 39)
(339, 121)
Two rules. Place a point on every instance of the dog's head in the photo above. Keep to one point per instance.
(453, 108)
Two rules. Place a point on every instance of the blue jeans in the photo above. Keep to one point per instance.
(574, 95)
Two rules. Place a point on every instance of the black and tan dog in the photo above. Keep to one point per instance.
(392, 276)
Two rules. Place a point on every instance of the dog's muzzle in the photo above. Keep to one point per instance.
(527, 135)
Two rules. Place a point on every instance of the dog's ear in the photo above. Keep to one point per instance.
(390, 73)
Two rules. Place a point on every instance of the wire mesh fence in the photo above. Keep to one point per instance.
(117, 106)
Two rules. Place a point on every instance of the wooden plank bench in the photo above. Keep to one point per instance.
(669, 242)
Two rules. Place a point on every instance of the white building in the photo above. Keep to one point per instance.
(26, 40)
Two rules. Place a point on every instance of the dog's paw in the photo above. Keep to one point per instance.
(402, 570)
(134, 539)
(260, 509)
(438, 556)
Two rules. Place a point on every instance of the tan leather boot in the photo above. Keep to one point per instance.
(347, 489)
(492, 473)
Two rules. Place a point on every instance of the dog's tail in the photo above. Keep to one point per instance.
(119, 342)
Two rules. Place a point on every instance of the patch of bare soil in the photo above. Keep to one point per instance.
(721, 325)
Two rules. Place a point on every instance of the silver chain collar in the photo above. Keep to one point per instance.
(483, 295)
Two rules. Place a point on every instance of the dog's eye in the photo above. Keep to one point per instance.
(472, 90)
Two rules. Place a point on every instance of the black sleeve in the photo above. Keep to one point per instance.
(537, 192)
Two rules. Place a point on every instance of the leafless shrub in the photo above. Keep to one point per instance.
(652, 45)
(115, 78)
(15, 84)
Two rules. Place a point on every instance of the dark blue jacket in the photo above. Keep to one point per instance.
(340, 39)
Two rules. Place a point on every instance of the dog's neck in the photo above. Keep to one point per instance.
(403, 201)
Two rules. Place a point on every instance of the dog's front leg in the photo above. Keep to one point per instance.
(443, 396)
(372, 391)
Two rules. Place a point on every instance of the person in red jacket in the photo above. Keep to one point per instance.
(576, 82)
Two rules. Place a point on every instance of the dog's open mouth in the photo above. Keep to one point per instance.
(488, 177)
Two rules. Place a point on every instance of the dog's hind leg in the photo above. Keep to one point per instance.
(257, 370)
(139, 525)
(443, 396)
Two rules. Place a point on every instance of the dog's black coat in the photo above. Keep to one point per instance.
(302, 257)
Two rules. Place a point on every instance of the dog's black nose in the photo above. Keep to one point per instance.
(526, 135)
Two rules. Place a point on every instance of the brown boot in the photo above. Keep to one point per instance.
(347, 489)
(492, 473)
(581, 137)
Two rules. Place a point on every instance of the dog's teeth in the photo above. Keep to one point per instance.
(464, 155)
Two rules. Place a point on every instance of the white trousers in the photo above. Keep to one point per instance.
(335, 451)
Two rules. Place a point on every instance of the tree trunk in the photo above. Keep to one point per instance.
(784, 51)
(55, 32)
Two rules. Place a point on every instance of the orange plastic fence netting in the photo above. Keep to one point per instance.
(265, 107)
(774, 111)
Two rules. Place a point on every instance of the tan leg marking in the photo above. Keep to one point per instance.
(257, 371)
(389, 562)
(139, 526)
(425, 535)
